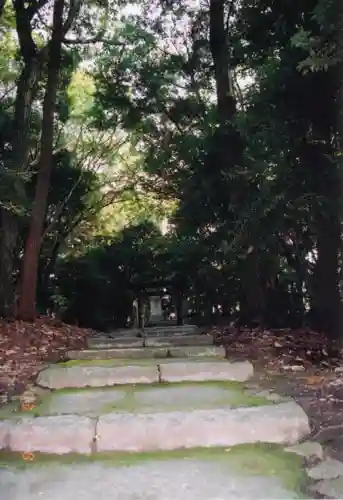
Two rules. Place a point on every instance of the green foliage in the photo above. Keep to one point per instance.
(137, 143)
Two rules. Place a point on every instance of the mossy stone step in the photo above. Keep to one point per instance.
(284, 423)
(102, 376)
(244, 472)
(139, 399)
(147, 352)
(106, 342)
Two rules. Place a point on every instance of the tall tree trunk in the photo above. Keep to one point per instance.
(8, 243)
(229, 140)
(27, 299)
(9, 221)
(327, 184)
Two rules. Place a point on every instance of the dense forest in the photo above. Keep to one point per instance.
(191, 142)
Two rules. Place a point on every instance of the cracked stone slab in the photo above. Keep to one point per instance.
(308, 450)
(53, 434)
(120, 342)
(285, 423)
(202, 371)
(178, 340)
(148, 352)
(329, 469)
(96, 376)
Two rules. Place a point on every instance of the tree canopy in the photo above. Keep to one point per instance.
(194, 143)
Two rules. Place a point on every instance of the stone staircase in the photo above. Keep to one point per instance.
(166, 390)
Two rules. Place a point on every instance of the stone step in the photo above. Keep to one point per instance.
(178, 340)
(105, 342)
(153, 330)
(255, 472)
(110, 375)
(171, 330)
(93, 402)
(146, 352)
(283, 423)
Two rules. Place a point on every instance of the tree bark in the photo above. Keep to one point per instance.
(8, 243)
(27, 299)
(327, 184)
(229, 140)
(9, 220)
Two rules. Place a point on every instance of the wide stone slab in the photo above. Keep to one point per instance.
(147, 352)
(178, 340)
(170, 330)
(285, 423)
(96, 376)
(104, 342)
(54, 434)
(202, 371)
(226, 476)
(145, 399)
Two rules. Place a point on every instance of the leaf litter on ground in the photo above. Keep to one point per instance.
(299, 363)
(26, 347)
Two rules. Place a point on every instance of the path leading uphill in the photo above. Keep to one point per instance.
(159, 416)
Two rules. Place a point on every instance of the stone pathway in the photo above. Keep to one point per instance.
(158, 416)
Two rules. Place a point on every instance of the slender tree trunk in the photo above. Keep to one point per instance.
(326, 297)
(9, 221)
(327, 184)
(8, 242)
(27, 299)
(229, 141)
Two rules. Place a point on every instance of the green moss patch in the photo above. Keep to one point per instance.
(260, 459)
(142, 398)
(135, 362)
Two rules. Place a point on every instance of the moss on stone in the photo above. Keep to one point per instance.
(233, 395)
(133, 361)
(259, 459)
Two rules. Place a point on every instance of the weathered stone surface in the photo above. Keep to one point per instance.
(55, 434)
(308, 449)
(285, 423)
(154, 480)
(127, 332)
(170, 330)
(86, 402)
(196, 352)
(148, 352)
(137, 399)
(330, 488)
(96, 376)
(201, 371)
(329, 469)
(121, 342)
(5, 428)
(178, 340)
(114, 353)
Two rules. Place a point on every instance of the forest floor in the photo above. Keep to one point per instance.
(301, 364)
(26, 347)
(297, 363)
